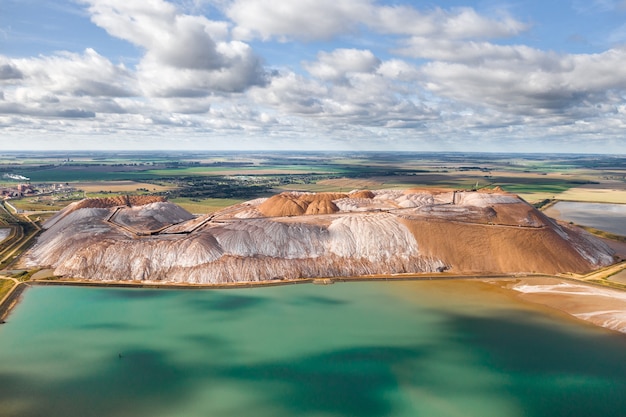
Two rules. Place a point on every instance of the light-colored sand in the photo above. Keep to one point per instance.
(619, 277)
(601, 306)
(43, 274)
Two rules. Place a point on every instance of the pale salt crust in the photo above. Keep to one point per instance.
(571, 289)
(611, 319)
(614, 318)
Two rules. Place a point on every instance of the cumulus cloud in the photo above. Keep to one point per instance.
(324, 19)
(456, 23)
(10, 72)
(363, 90)
(530, 81)
(302, 19)
(379, 71)
(74, 74)
(335, 66)
(292, 94)
(193, 52)
(65, 85)
(441, 49)
(40, 111)
(243, 71)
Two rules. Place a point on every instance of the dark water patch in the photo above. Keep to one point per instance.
(139, 383)
(113, 326)
(133, 293)
(320, 300)
(209, 342)
(552, 372)
(524, 342)
(349, 382)
(220, 301)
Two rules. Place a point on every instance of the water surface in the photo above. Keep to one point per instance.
(608, 217)
(354, 349)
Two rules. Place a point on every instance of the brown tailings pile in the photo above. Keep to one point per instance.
(121, 200)
(296, 235)
(481, 248)
(291, 204)
(362, 194)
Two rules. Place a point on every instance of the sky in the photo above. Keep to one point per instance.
(482, 76)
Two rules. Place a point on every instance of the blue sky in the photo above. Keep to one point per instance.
(521, 76)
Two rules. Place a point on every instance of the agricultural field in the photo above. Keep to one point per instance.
(205, 205)
(204, 182)
(604, 192)
(123, 186)
(5, 286)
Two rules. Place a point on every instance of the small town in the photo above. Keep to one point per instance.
(40, 192)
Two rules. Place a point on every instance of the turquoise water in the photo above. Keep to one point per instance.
(359, 349)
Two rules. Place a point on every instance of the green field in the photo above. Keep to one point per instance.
(205, 205)
(205, 181)
(114, 172)
(30, 204)
(5, 286)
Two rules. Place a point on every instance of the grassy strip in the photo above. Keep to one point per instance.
(31, 204)
(603, 234)
(26, 274)
(544, 204)
(5, 286)
(608, 283)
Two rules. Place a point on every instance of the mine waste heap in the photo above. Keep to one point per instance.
(307, 235)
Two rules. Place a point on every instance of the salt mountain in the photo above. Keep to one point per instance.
(297, 235)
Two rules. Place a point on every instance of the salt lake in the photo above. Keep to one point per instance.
(608, 217)
(431, 349)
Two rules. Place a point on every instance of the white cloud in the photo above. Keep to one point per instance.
(9, 71)
(456, 23)
(185, 55)
(302, 19)
(65, 85)
(517, 78)
(291, 93)
(466, 51)
(364, 91)
(73, 74)
(324, 19)
(337, 65)
(195, 75)
(243, 71)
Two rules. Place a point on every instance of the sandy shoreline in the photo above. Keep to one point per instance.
(604, 307)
